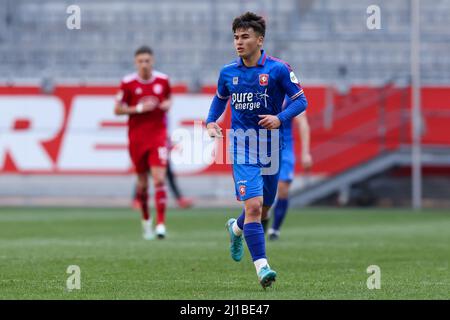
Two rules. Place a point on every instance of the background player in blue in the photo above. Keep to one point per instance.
(287, 170)
(257, 85)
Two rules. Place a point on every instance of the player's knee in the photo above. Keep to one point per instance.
(142, 185)
(159, 183)
(159, 178)
(253, 208)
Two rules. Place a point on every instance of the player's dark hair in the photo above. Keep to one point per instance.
(143, 49)
(250, 20)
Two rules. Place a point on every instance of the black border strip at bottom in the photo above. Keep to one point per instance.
(225, 309)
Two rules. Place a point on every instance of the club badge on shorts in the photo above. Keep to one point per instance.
(263, 79)
(242, 190)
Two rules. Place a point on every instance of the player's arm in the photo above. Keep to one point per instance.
(215, 111)
(122, 107)
(217, 108)
(294, 91)
(289, 83)
(166, 104)
(305, 136)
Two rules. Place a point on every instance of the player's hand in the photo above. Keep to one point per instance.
(119, 109)
(150, 105)
(214, 131)
(147, 104)
(307, 161)
(165, 105)
(269, 121)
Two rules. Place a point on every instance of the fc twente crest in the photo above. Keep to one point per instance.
(263, 79)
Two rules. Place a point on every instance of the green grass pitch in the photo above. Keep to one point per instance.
(322, 254)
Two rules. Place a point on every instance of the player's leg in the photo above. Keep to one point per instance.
(248, 184)
(158, 178)
(135, 201)
(142, 196)
(285, 179)
(139, 158)
(280, 209)
(238, 227)
(255, 239)
(158, 164)
(234, 226)
(249, 188)
(257, 209)
(172, 184)
(265, 217)
(183, 202)
(269, 193)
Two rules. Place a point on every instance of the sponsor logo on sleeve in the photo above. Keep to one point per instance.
(293, 77)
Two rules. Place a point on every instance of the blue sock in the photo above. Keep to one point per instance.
(254, 237)
(279, 213)
(240, 220)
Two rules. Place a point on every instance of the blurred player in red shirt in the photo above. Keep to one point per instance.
(145, 97)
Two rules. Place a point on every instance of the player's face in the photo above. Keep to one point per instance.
(144, 64)
(247, 42)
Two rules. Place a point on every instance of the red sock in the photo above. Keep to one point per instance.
(142, 196)
(160, 201)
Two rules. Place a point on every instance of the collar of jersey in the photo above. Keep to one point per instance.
(261, 61)
(143, 81)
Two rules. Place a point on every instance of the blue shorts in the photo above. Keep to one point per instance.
(250, 182)
(287, 168)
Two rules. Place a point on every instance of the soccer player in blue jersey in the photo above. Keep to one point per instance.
(287, 169)
(257, 84)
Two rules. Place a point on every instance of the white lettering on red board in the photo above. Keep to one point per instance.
(89, 146)
(94, 140)
(44, 118)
